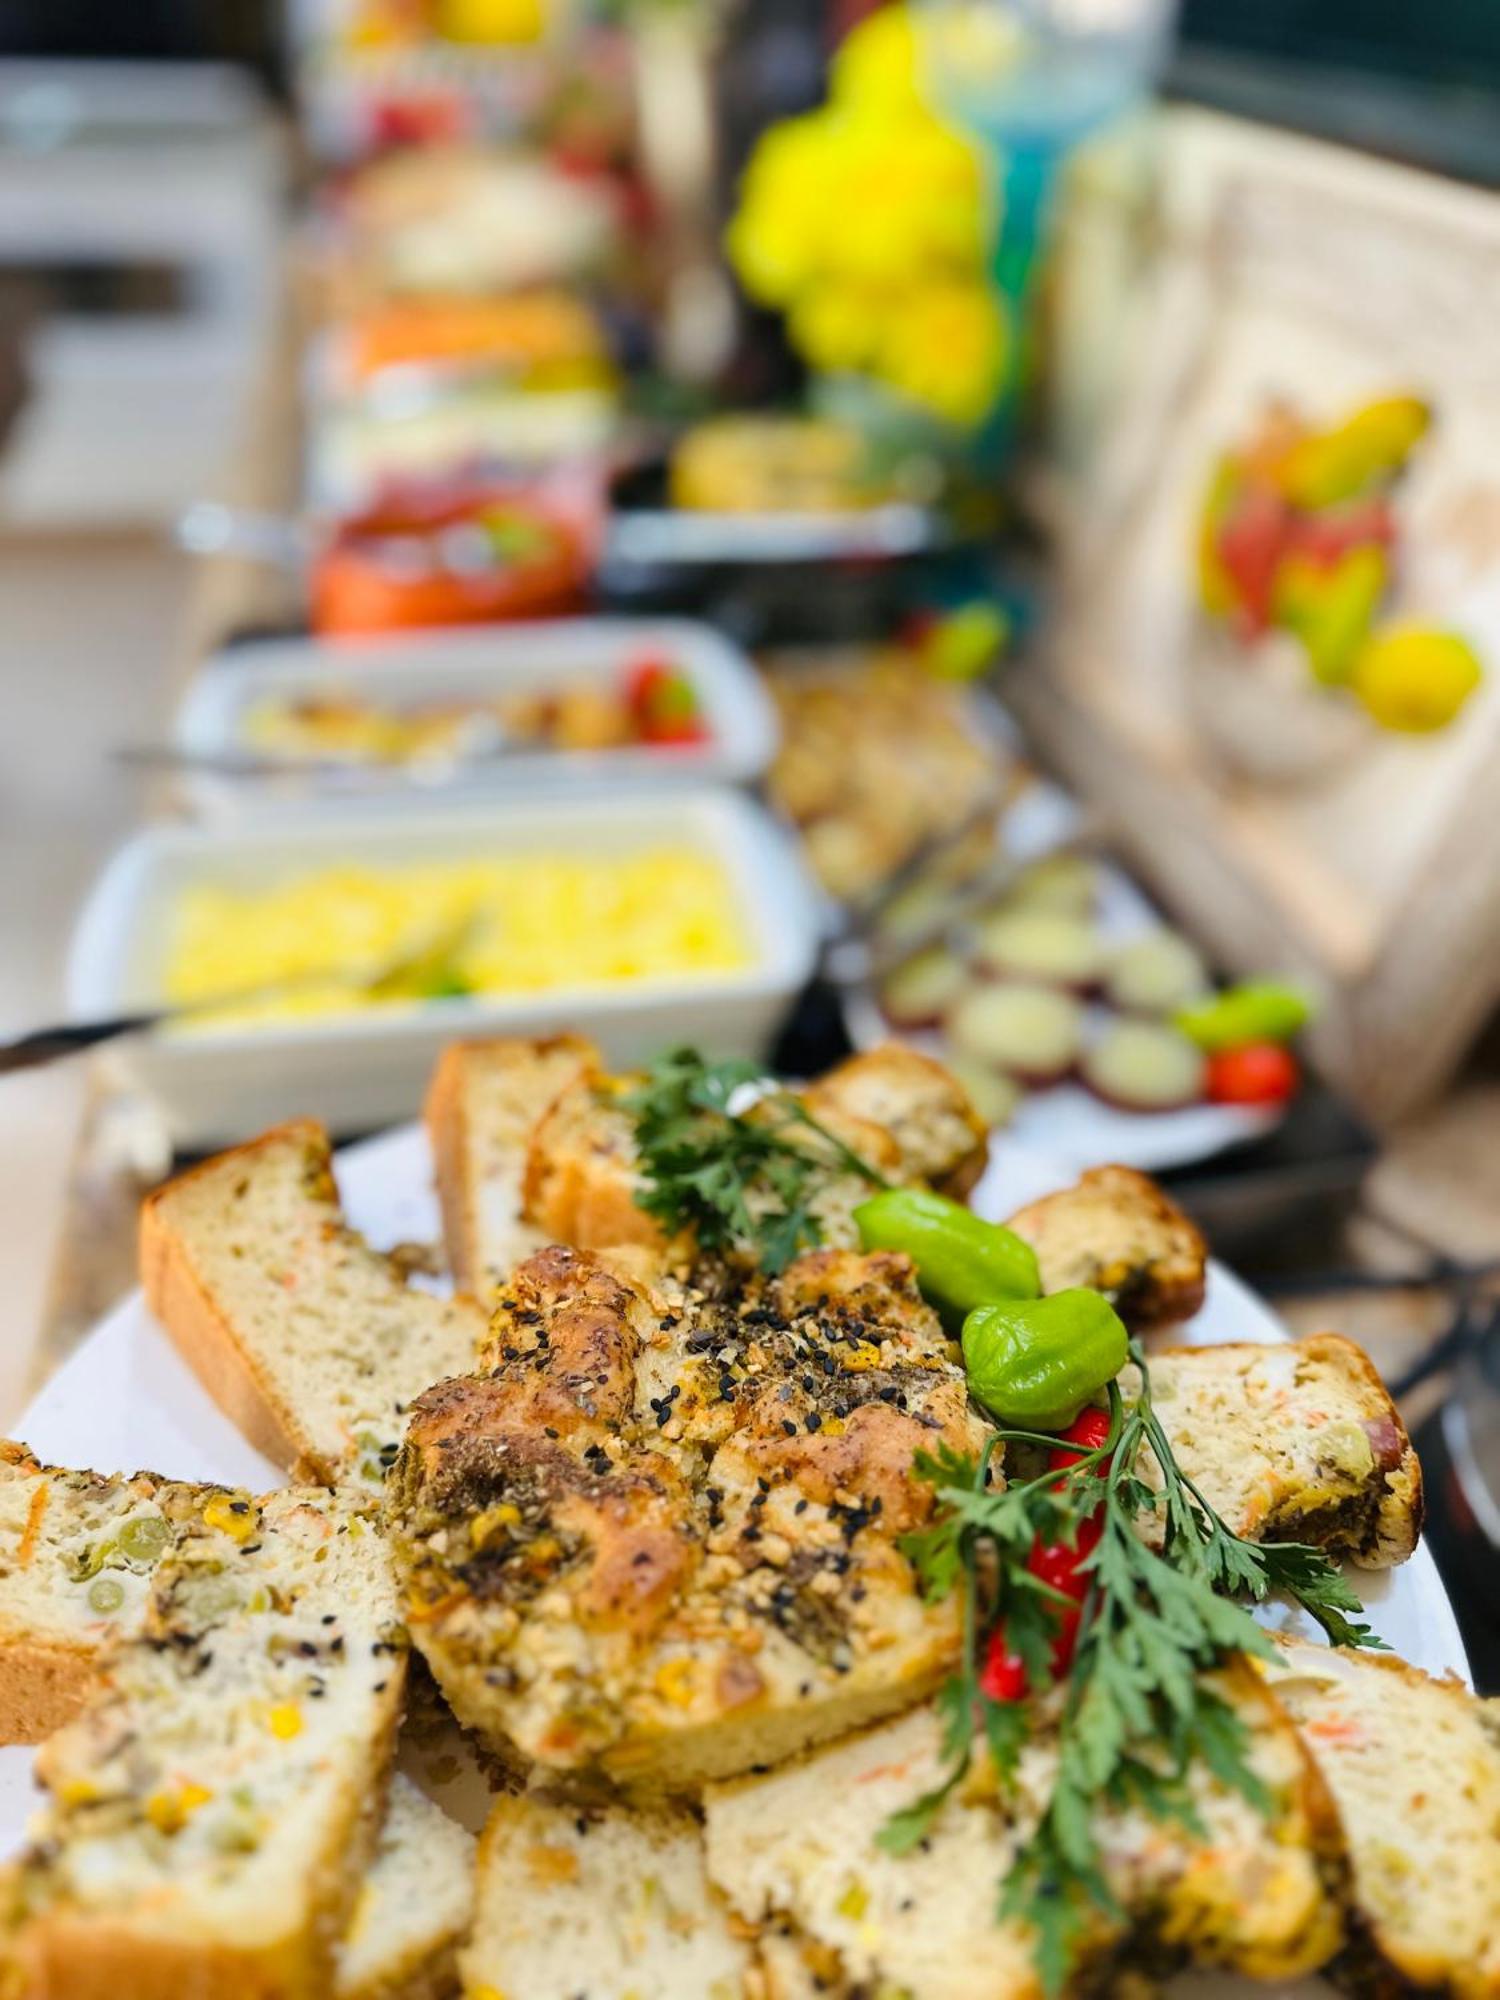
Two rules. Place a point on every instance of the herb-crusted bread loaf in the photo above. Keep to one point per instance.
(1116, 1232)
(659, 1536)
(795, 1852)
(312, 1342)
(1414, 1768)
(612, 1902)
(1295, 1441)
(212, 1809)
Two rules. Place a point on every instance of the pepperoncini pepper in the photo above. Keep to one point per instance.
(962, 1261)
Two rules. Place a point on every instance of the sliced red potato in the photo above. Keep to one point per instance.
(1143, 1066)
(995, 1095)
(920, 906)
(920, 990)
(1033, 1033)
(1045, 947)
(1156, 974)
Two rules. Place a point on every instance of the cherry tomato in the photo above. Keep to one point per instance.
(1003, 1676)
(642, 679)
(1254, 1073)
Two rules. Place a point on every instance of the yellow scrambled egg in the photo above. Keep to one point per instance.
(525, 924)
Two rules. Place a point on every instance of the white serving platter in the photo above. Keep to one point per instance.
(402, 670)
(125, 1398)
(358, 1070)
(1068, 1123)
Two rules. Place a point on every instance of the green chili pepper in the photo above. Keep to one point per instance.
(962, 1261)
(1262, 1010)
(1034, 1363)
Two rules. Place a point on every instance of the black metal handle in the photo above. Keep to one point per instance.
(68, 1038)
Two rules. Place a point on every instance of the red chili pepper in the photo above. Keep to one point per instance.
(1056, 1564)
(1089, 1431)
(1003, 1677)
(642, 679)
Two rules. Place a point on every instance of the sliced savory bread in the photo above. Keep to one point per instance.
(795, 1853)
(1414, 1768)
(532, 1145)
(485, 1100)
(1116, 1232)
(1295, 1441)
(312, 1342)
(77, 1555)
(611, 1902)
(414, 1908)
(212, 1810)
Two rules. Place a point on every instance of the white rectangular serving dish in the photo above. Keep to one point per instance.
(485, 662)
(358, 1071)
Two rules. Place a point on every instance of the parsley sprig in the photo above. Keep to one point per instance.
(1136, 1712)
(745, 1178)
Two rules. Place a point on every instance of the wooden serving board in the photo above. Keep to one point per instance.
(1299, 270)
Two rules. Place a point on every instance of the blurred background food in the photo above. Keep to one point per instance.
(453, 451)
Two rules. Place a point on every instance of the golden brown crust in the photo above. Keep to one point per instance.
(661, 1536)
(940, 1137)
(197, 1325)
(43, 1684)
(1115, 1231)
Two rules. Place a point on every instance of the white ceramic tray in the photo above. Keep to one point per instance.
(410, 667)
(362, 1070)
(125, 1399)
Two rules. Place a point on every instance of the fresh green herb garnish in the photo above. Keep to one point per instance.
(743, 1179)
(1135, 1711)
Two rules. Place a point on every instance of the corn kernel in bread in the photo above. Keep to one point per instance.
(312, 1342)
(414, 1908)
(610, 1902)
(1117, 1233)
(485, 1100)
(795, 1853)
(77, 1555)
(212, 1809)
(660, 1536)
(1295, 1441)
(1414, 1768)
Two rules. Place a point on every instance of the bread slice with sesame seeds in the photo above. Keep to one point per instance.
(796, 1853)
(612, 1901)
(312, 1342)
(1414, 1768)
(1116, 1232)
(485, 1100)
(212, 1810)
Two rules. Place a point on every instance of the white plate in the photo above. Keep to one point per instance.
(405, 668)
(359, 1070)
(125, 1398)
(1068, 1123)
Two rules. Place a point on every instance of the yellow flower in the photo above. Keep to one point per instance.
(867, 223)
(945, 348)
